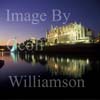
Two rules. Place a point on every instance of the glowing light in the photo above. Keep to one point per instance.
(2, 50)
(14, 57)
(46, 58)
(33, 60)
(55, 35)
(41, 57)
(62, 59)
(56, 66)
(87, 61)
(14, 48)
(68, 60)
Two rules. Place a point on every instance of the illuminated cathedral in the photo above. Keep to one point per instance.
(69, 34)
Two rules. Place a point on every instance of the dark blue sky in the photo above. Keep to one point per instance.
(85, 11)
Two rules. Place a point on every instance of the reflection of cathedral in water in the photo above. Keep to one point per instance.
(66, 66)
(59, 65)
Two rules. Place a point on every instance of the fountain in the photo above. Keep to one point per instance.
(14, 48)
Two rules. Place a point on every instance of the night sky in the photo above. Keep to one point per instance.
(86, 12)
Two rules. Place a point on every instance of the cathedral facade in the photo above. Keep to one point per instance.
(69, 34)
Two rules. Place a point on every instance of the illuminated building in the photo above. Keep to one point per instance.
(97, 40)
(33, 39)
(69, 34)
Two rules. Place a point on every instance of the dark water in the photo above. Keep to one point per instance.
(51, 67)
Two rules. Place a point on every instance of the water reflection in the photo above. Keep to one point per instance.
(33, 59)
(1, 63)
(58, 65)
(15, 57)
(68, 66)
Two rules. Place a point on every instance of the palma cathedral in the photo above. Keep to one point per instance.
(69, 34)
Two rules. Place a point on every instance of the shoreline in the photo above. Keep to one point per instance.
(68, 49)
